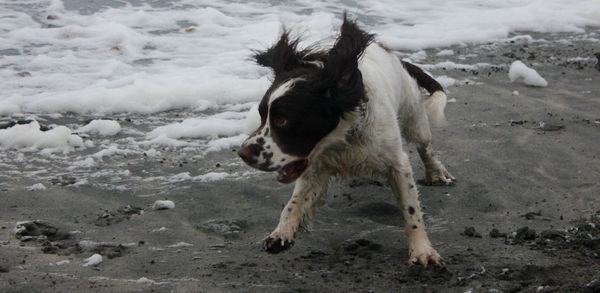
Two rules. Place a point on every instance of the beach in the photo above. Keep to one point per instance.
(523, 216)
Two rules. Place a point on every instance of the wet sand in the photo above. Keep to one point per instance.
(528, 160)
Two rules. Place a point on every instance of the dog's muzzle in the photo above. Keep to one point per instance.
(248, 155)
(287, 173)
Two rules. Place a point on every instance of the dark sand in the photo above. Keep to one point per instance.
(511, 174)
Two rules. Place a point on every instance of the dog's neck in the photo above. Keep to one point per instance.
(357, 120)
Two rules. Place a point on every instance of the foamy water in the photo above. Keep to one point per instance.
(194, 54)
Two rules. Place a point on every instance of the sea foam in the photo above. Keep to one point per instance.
(194, 54)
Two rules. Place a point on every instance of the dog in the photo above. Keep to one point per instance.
(342, 113)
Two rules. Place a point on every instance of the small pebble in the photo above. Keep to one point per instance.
(3, 268)
(163, 205)
(470, 232)
(496, 234)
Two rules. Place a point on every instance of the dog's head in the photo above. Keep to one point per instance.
(311, 92)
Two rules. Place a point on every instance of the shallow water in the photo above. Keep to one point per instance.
(151, 56)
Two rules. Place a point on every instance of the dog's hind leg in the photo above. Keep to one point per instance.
(405, 190)
(435, 172)
(415, 128)
(297, 212)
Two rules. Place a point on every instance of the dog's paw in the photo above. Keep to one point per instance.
(439, 177)
(275, 243)
(425, 255)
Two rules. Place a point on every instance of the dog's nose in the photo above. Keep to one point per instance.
(246, 154)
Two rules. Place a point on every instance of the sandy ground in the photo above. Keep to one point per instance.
(512, 171)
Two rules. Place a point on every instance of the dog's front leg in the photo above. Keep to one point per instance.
(405, 190)
(296, 213)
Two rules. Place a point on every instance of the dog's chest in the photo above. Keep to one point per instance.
(357, 158)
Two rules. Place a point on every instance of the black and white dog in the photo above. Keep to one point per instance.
(340, 112)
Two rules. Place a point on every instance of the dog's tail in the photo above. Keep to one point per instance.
(436, 102)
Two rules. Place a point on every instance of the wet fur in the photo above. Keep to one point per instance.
(345, 111)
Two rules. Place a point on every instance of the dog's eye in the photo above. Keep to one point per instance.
(280, 122)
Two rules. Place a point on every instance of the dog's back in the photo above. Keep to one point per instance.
(386, 77)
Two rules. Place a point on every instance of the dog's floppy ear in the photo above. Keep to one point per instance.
(283, 56)
(340, 73)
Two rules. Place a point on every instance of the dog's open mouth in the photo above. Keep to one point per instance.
(292, 171)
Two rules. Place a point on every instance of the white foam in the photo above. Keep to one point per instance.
(101, 127)
(163, 205)
(163, 140)
(62, 262)
(180, 244)
(80, 182)
(446, 81)
(85, 163)
(144, 280)
(520, 39)
(252, 120)
(93, 260)
(208, 177)
(418, 56)
(161, 229)
(530, 77)
(445, 52)
(212, 176)
(139, 58)
(200, 127)
(29, 137)
(579, 59)
(152, 153)
(37, 186)
(88, 244)
(111, 151)
(225, 142)
(449, 65)
(180, 177)
(443, 23)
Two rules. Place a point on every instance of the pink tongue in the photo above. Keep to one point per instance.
(290, 171)
(286, 173)
(281, 178)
